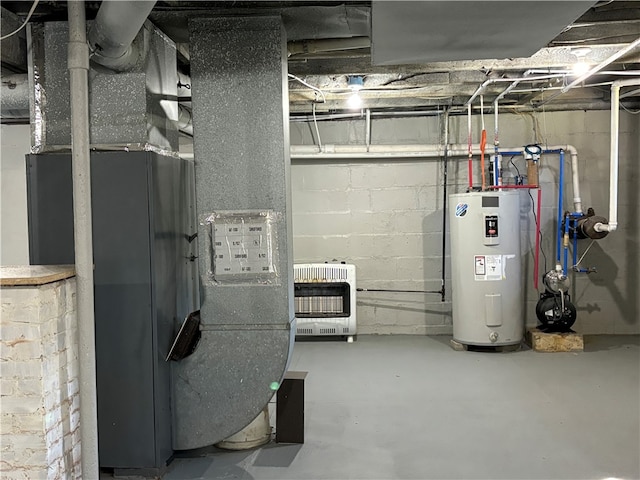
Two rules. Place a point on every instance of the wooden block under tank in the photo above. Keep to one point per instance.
(555, 342)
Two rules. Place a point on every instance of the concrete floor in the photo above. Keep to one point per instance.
(409, 407)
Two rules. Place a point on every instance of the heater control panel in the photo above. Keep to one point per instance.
(491, 230)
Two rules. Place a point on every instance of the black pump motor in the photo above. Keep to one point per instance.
(556, 314)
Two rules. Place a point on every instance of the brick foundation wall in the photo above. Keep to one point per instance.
(39, 389)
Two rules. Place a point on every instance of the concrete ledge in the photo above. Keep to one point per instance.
(554, 342)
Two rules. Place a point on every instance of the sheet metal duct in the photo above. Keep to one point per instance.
(241, 132)
(134, 109)
(408, 32)
(15, 97)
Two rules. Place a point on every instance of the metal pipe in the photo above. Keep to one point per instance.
(116, 26)
(490, 81)
(445, 174)
(469, 146)
(78, 63)
(367, 127)
(560, 209)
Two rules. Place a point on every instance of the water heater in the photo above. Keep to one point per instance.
(486, 271)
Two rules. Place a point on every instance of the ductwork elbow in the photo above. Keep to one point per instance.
(116, 26)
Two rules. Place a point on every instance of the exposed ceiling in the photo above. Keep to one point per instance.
(331, 40)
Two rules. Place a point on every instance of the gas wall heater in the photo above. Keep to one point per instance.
(325, 299)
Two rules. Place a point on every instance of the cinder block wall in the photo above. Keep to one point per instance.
(40, 409)
(386, 216)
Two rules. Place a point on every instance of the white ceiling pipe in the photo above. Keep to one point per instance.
(355, 152)
(614, 157)
(524, 78)
(116, 26)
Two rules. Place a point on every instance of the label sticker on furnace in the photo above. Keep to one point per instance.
(461, 209)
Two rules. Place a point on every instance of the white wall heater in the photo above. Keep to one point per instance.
(325, 299)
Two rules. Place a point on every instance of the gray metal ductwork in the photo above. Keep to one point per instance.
(115, 27)
(15, 97)
(244, 209)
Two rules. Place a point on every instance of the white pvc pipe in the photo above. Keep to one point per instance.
(78, 60)
(329, 151)
(614, 155)
(614, 158)
(346, 152)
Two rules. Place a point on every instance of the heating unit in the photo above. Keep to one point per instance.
(325, 299)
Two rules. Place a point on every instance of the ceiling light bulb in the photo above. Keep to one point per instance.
(354, 101)
(580, 68)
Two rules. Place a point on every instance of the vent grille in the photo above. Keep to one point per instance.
(328, 273)
(327, 331)
(345, 330)
(305, 331)
(326, 305)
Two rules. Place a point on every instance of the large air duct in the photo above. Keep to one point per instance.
(15, 97)
(116, 26)
(238, 74)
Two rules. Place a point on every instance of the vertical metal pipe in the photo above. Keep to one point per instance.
(613, 164)
(78, 62)
(367, 132)
(444, 202)
(560, 209)
(469, 141)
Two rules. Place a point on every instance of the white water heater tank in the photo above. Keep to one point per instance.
(487, 292)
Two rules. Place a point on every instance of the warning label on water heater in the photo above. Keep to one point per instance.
(488, 267)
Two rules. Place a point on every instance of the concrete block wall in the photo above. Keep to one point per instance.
(40, 410)
(386, 216)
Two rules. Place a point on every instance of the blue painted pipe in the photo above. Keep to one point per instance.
(566, 247)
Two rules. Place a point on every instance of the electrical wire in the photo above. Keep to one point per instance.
(315, 123)
(33, 9)
(535, 217)
(316, 89)
(632, 112)
(585, 252)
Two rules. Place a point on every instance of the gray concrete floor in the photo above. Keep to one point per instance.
(409, 407)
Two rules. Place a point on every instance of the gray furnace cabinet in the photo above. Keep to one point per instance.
(141, 239)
